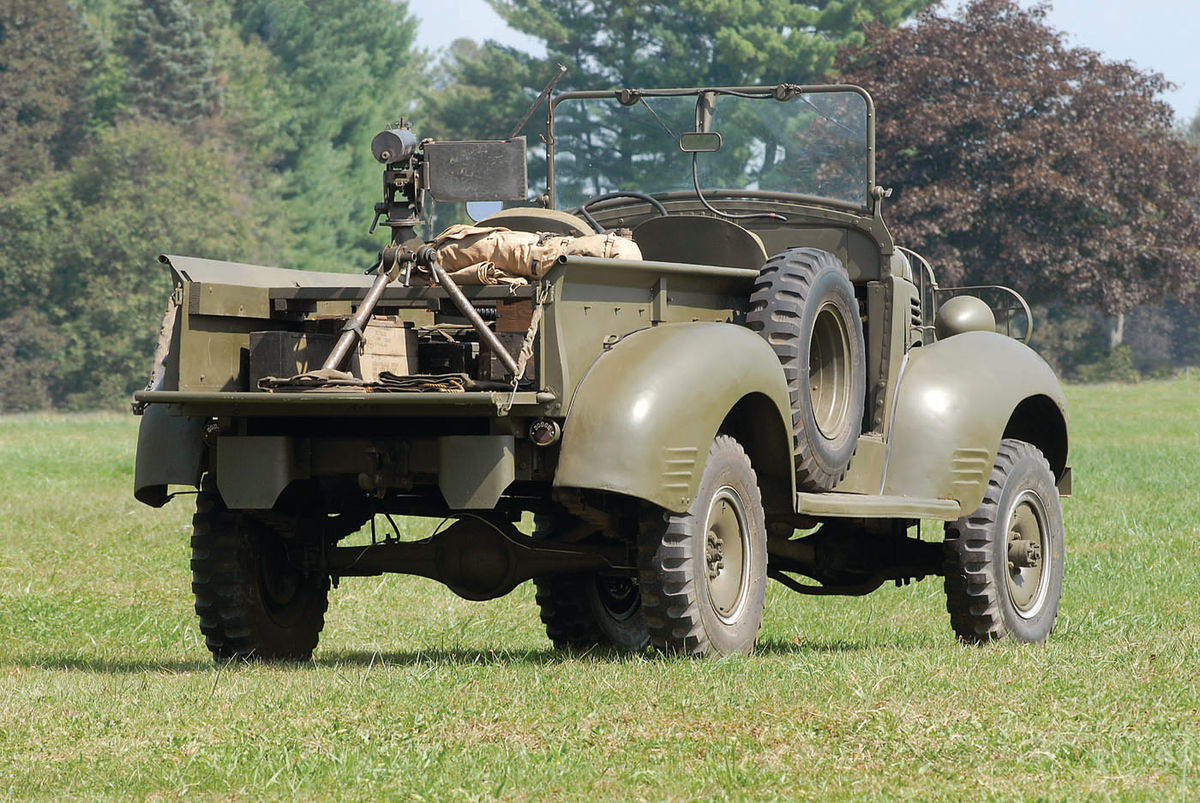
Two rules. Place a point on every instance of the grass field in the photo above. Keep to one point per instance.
(106, 689)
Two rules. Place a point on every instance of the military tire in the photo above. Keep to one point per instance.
(582, 611)
(592, 610)
(703, 573)
(1004, 562)
(251, 601)
(803, 305)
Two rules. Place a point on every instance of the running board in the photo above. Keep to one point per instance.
(865, 506)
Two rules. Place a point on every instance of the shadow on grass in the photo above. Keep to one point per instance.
(475, 657)
(109, 666)
(323, 660)
(550, 656)
(441, 657)
(806, 646)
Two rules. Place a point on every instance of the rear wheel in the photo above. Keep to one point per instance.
(582, 611)
(1004, 562)
(253, 599)
(804, 306)
(593, 610)
(703, 573)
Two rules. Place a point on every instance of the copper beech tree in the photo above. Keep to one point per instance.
(1017, 159)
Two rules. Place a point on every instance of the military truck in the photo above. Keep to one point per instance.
(764, 386)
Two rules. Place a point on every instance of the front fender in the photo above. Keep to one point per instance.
(643, 418)
(958, 397)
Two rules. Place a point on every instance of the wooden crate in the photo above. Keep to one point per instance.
(286, 354)
(388, 345)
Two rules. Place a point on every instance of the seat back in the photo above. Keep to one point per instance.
(699, 240)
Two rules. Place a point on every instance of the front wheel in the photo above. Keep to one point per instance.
(1004, 562)
(703, 573)
(253, 598)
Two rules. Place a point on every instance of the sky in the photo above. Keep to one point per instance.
(1158, 35)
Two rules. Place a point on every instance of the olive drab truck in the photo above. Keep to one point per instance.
(679, 344)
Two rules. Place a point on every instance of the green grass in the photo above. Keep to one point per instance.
(106, 689)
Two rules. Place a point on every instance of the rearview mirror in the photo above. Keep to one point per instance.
(700, 142)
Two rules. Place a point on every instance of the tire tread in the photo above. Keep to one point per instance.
(777, 303)
(973, 597)
(226, 601)
(670, 597)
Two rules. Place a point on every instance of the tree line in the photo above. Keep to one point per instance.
(239, 129)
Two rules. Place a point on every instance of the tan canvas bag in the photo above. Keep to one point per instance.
(521, 253)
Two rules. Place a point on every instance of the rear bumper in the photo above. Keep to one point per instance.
(346, 403)
(386, 440)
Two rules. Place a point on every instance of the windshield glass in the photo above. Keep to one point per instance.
(813, 143)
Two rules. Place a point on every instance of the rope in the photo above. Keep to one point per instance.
(526, 352)
(527, 344)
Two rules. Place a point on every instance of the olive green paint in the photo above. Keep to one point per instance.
(644, 416)
(956, 399)
(474, 471)
(253, 470)
(644, 364)
(169, 452)
(963, 314)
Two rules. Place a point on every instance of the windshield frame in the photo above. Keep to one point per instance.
(629, 97)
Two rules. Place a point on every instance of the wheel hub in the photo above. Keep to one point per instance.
(726, 555)
(619, 597)
(1023, 554)
(713, 556)
(1028, 575)
(280, 582)
(829, 371)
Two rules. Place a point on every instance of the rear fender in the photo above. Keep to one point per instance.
(170, 451)
(643, 418)
(958, 397)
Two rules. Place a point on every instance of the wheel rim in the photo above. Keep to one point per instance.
(727, 564)
(1027, 555)
(618, 596)
(280, 583)
(829, 371)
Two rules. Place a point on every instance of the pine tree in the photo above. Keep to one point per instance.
(631, 43)
(344, 69)
(170, 63)
(635, 44)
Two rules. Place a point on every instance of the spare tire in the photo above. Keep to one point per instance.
(803, 305)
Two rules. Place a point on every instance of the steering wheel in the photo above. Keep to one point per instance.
(641, 196)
